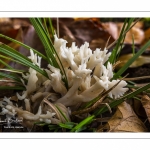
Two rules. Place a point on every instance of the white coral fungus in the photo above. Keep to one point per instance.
(86, 74)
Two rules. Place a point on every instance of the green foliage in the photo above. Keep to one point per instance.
(118, 47)
(83, 123)
(62, 113)
(130, 61)
(24, 45)
(67, 125)
(4, 49)
(48, 45)
(10, 76)
(21, 88)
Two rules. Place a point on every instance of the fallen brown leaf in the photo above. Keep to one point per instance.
(91, 31)
(13, 29)
(135, 32)
(146, 104)
(138, 108)
(13, 45)
(30, 38)
(111, 28)
(124, 120)
(64, 31)
(141, 60)
(7, 28)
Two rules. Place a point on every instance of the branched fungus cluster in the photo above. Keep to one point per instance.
(45, 99)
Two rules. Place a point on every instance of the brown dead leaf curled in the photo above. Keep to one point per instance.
(146, 104)
(135, 32)
(124, 120)
(138, 108)
(8, 28)
(91, 31)
(111, 28)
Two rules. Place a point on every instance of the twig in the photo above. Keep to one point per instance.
(107, 42)
(136, 78)
(116, 64)
(109, 108)
(58, 27)
(105, 119)
(10, 81)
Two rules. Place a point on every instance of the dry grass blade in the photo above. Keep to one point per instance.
(8, 81)
(136, 78)
(54, 108)
(107, 42)
(116, 64)
(109, 108)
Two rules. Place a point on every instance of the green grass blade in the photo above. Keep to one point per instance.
(90, 103)
(5, 64)
(51, 27)
(117, 49)
(83, 123)
(113, 56)
(44, 39)
(130, 61)
(8, 67)
(10, 76)
(21, 88)
(23, 45)
(66, 126)
(62, 113)
(45, 24)
(13, 70)
(8, 58)
(20, 58)
(53, 127)
(49, 48)
(131, 20)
